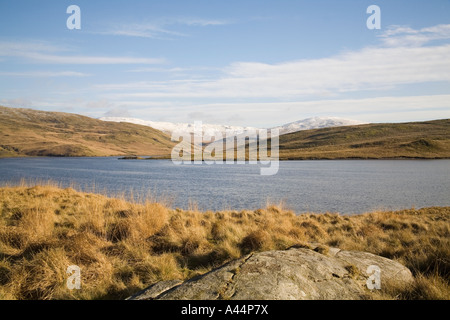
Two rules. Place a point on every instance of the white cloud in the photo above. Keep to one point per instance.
(305, 83)
(296, 88)
(396, 36)
(269, 114)
(44, 74)
(161, 28)
(142, 31)
(176, 69)
(46, 53)
(60, 59)
(257, 114)
(13, 48)
(202, 22)
(366, 69)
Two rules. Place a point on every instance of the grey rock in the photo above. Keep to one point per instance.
(391, 271)
(294, 274)
(155, 290)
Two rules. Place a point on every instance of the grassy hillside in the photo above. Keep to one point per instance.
(122, 247)
(26, 132)
(429, 139)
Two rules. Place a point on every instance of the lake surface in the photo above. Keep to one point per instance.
(345, 186)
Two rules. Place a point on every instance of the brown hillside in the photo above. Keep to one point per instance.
(430, 139)
(26, 132)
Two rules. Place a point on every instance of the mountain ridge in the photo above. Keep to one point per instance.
(210, 129)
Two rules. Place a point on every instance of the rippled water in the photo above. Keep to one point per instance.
(345, 186)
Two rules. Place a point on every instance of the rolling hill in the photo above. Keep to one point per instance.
(430, 139)
(26, 132)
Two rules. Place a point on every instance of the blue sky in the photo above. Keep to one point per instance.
(256, 63)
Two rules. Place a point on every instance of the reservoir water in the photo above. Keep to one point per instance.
(344, 186)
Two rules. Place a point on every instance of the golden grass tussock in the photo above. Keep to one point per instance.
(123, 246)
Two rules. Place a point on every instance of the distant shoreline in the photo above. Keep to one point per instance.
(120, 157)
(281, 159)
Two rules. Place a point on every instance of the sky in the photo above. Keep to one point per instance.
(246, 63)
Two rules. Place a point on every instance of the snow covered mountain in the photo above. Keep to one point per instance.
(210, 129)
(316, 123)
(169, 127)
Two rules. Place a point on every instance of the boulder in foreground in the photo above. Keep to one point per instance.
(293, 274)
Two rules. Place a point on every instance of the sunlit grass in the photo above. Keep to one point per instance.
(123, 246)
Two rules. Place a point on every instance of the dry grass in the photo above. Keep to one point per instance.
(429, 139)
(26, 132)
(122, 247)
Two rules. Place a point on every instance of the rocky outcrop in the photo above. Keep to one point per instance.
(295, 274)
